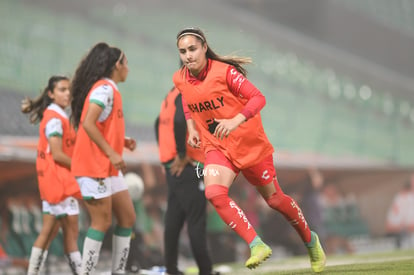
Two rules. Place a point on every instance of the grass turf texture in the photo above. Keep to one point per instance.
(399, 262)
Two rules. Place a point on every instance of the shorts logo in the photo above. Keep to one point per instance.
(72, 204)
(101, 187)
(265, 175)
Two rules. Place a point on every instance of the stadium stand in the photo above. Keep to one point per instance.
(332, 114)
(397, 14)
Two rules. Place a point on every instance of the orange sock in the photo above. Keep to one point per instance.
(230, 212)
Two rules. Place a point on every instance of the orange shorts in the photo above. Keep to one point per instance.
(259, 174)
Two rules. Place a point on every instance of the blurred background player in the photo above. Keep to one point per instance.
(186, 202)
(98, 163)
(400, 216)
(58, 188)
(6, 261)
(226, 108)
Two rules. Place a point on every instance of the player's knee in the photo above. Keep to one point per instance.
(129, 222)
(132, 219)
(276, 199)
(101, 222)
(215, 193)
(127, 219)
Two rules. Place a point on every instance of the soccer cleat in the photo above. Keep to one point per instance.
(259, 254)
(317, 255)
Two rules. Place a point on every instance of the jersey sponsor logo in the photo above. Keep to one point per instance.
(238, 78)
(212, 124)
(207, 105)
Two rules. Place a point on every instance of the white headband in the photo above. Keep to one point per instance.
(120, 57)
(191, 33)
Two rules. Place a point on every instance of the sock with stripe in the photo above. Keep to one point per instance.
(91, 249)
(120, 249)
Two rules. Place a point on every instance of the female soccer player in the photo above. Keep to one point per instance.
(97, 159)
(58, 188)
(226, 108)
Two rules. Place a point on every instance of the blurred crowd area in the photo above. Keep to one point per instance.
(342, 106)
(330, 210)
